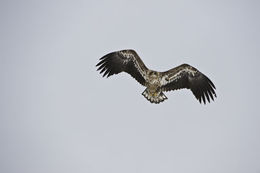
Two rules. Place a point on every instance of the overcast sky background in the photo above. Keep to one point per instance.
(59, 115)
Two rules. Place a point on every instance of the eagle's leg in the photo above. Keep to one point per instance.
(154, 97)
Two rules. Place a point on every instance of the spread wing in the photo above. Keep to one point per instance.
(123, 61)
(186, 76)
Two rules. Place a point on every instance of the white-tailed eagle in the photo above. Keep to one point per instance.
(183, 76)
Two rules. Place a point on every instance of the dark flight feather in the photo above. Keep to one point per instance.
(119, 61)
(186, 76)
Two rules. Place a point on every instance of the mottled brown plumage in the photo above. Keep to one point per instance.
(183, 76)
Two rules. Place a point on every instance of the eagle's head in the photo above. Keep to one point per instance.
(153, 74)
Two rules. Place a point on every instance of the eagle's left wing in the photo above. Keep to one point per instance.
(186, 76)
(123, 61)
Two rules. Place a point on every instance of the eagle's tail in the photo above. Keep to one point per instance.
(154, 97)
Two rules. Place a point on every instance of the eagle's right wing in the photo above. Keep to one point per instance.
(124, 60)
(186, 76)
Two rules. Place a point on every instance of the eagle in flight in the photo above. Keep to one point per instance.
(183, 76)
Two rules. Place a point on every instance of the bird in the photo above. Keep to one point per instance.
(180, 77)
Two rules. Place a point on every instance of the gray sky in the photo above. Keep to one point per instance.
(59, 115)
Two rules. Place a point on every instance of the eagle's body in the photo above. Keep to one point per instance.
(183, 76)
(153, 91)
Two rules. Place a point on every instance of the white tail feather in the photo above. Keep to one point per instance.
(154, 98)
